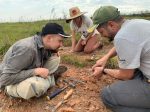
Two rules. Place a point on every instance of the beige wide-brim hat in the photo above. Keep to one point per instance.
(74, 13)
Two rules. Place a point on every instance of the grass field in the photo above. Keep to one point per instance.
(11, 32)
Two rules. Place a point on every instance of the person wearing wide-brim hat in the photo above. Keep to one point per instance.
(79, 23)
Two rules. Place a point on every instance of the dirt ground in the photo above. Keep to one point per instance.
(85, 97)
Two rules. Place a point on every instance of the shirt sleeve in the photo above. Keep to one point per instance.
(128, 53)
(16, 68)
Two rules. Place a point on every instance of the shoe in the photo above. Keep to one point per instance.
(58, 73)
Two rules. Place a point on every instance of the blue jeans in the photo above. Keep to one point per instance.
(128, 96)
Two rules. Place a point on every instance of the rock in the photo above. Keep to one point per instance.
(74, 102)
(66, 109)
(46, 108)
(91, 108)
(1, 110)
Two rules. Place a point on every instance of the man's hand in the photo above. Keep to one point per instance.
(42, 72)
(97, 72)
(101, 62)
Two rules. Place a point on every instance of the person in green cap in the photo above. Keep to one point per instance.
(132, 46)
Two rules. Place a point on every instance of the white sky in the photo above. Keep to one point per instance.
(30, 10)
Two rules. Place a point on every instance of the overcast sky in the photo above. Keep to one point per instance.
(29, 10)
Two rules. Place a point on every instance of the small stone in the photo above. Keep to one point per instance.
(74, 102)
(67, 109)
(92, 108)
(46, 108)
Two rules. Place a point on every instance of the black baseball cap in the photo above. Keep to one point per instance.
(54, 28)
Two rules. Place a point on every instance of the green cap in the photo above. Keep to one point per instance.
(104, 14)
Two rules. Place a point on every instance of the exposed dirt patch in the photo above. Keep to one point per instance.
(85, 98)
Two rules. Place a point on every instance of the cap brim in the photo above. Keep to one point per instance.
(64, 35)
(91, 29)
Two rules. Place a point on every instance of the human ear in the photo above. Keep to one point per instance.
(113, 25)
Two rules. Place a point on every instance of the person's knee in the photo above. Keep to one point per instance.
(18, 92)
(33, 90)
(77, 49)
(32, 87)
(104, 96)
(52, 63)
(107, 99)
(88, 50)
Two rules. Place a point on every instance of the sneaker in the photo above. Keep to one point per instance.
(58, 73)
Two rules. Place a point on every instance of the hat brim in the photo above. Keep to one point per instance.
(69, 19)
(92, 28)
(64, 35)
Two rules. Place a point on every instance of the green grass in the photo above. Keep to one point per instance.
(76, 60)
(112, 63)
(11, 32)
(137, 17)
(80, 62)
(73, 61)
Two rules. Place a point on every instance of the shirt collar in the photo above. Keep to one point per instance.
(39, 41)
